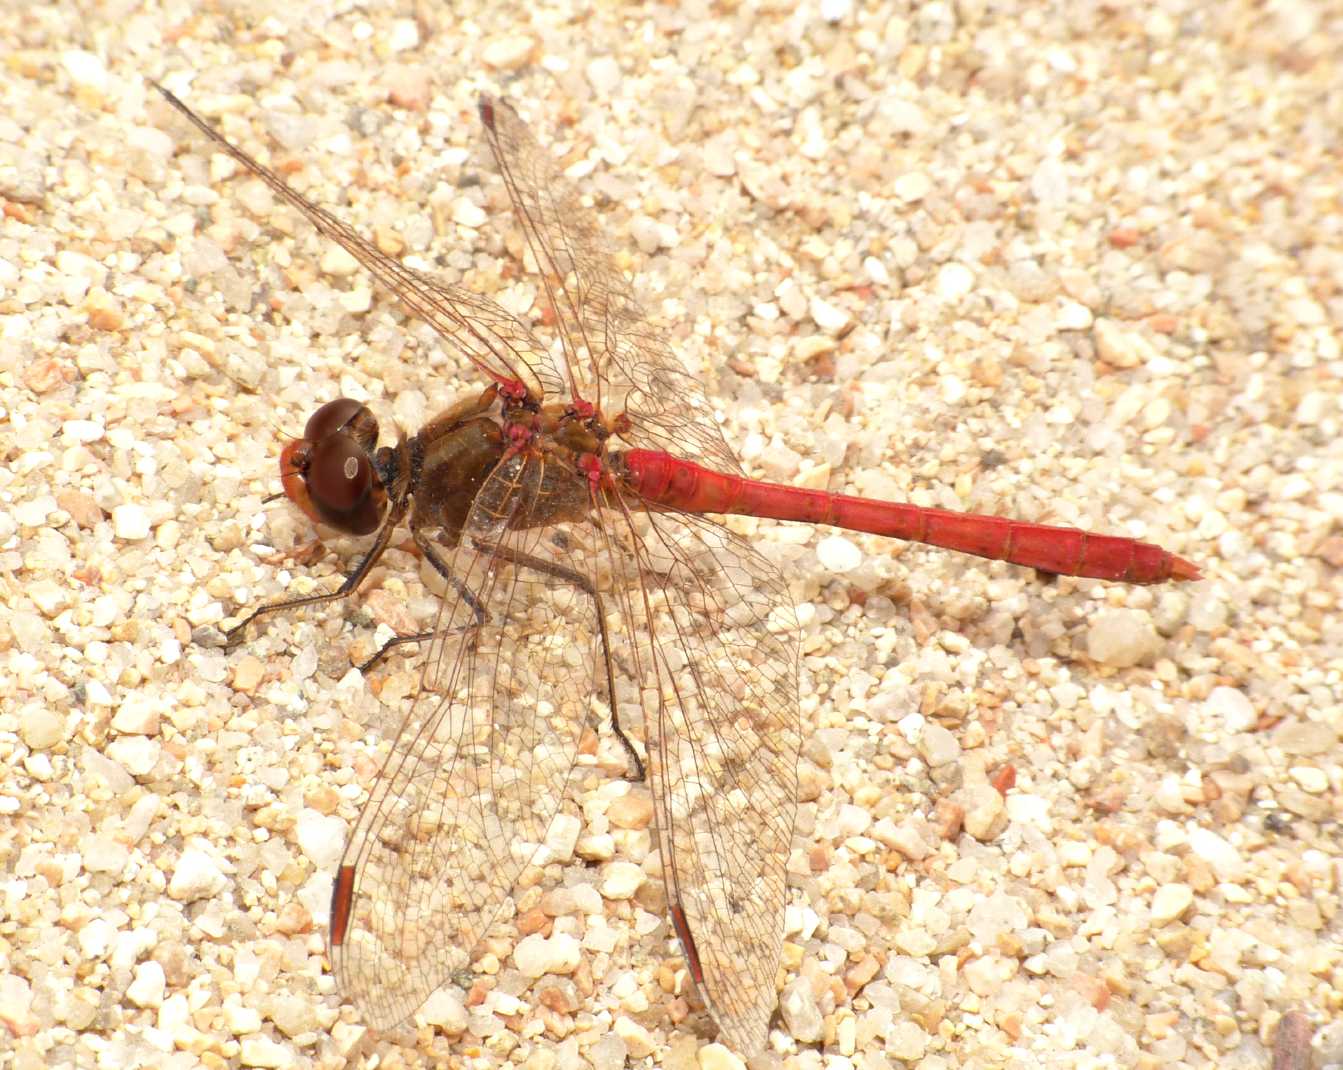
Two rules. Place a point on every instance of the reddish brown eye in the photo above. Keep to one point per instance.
(330, 418)
(340, 485)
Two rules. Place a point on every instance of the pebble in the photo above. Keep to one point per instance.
(954, 282)
(838, 555)
(320, 838)
(1072, 316)
(467, 213)
(1304, 738)
(1119, 346)
(508, 53)
(562, 836)
(912, 186)
(632, 811)
(537, 955)
(148, 985)
(138, 714)
(16, 999)
(445, 1010)
(336, 261)
(1231, 709)
(137, 755)
(1121, 638)
(938, 746)
(196, 876)
(639, 1042)
(104, 310)
(985, 812)
(828, 317)
(1170, 902)
(907, 1041)
(130, 521)
(801, 1015)
(85, 69)
(1225, 860)
(620, 880)
(604, 75)
(259, 1050)
(719, 1057)
(41, 728)
(1310, 779)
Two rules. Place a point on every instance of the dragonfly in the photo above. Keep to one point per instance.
(569, 508)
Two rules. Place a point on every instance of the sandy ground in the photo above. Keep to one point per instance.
(1075, 263)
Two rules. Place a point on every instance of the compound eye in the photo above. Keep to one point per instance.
(332, 417)
(340, 484)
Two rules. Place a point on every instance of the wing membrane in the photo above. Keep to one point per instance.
(616, 358)
(482, 763)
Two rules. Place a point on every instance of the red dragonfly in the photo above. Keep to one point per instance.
(564, 507)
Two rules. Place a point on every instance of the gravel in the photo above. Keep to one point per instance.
(1074, 264)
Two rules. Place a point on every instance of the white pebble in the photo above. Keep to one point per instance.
(1120, 347)
(239, 1018)
(718, 1057)
(82, 430)
(912, 187)
(620, 880)
(838, 555)
(259, 1050)
(537, 955)
(1073, 316)
(876, 271)
(646, 233)
(95, 938)
(136, 754)
(138, 715)
(1231, 709)
(828, 317)
(954, 281)
(320, 837)
(336, 261)
(146, 989)
(197, 876)
(1225, 860)
(41, 728)
(1310, 779)
(1121, 638)
(445, 1010)
(562, 836)
(508, 53)
(1170, 902)
(467, 213)
(85, 68)
(405, 34)
(130, 522)
(938, 746)
(836, 10)
(604, 75)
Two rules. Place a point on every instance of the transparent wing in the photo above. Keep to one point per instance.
(489, 336)
(713, 649)
(483, 761)
(616, 359)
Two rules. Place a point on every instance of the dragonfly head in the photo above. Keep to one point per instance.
(329, 472)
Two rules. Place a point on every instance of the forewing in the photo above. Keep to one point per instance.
(481, 765)
(616, 358)
(715, 642)
(491, 338)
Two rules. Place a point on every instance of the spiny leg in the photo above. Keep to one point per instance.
(547, 568)
(464, 592)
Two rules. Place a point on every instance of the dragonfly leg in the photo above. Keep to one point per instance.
(233, 636)
(549, 568)
(464, 592)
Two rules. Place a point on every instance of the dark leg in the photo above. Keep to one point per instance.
(547, 568)
(463, 592)
(233, 635)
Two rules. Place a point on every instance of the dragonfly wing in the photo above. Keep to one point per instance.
(617, 359)
(478, 769)
(716, 663)
(496, 342)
